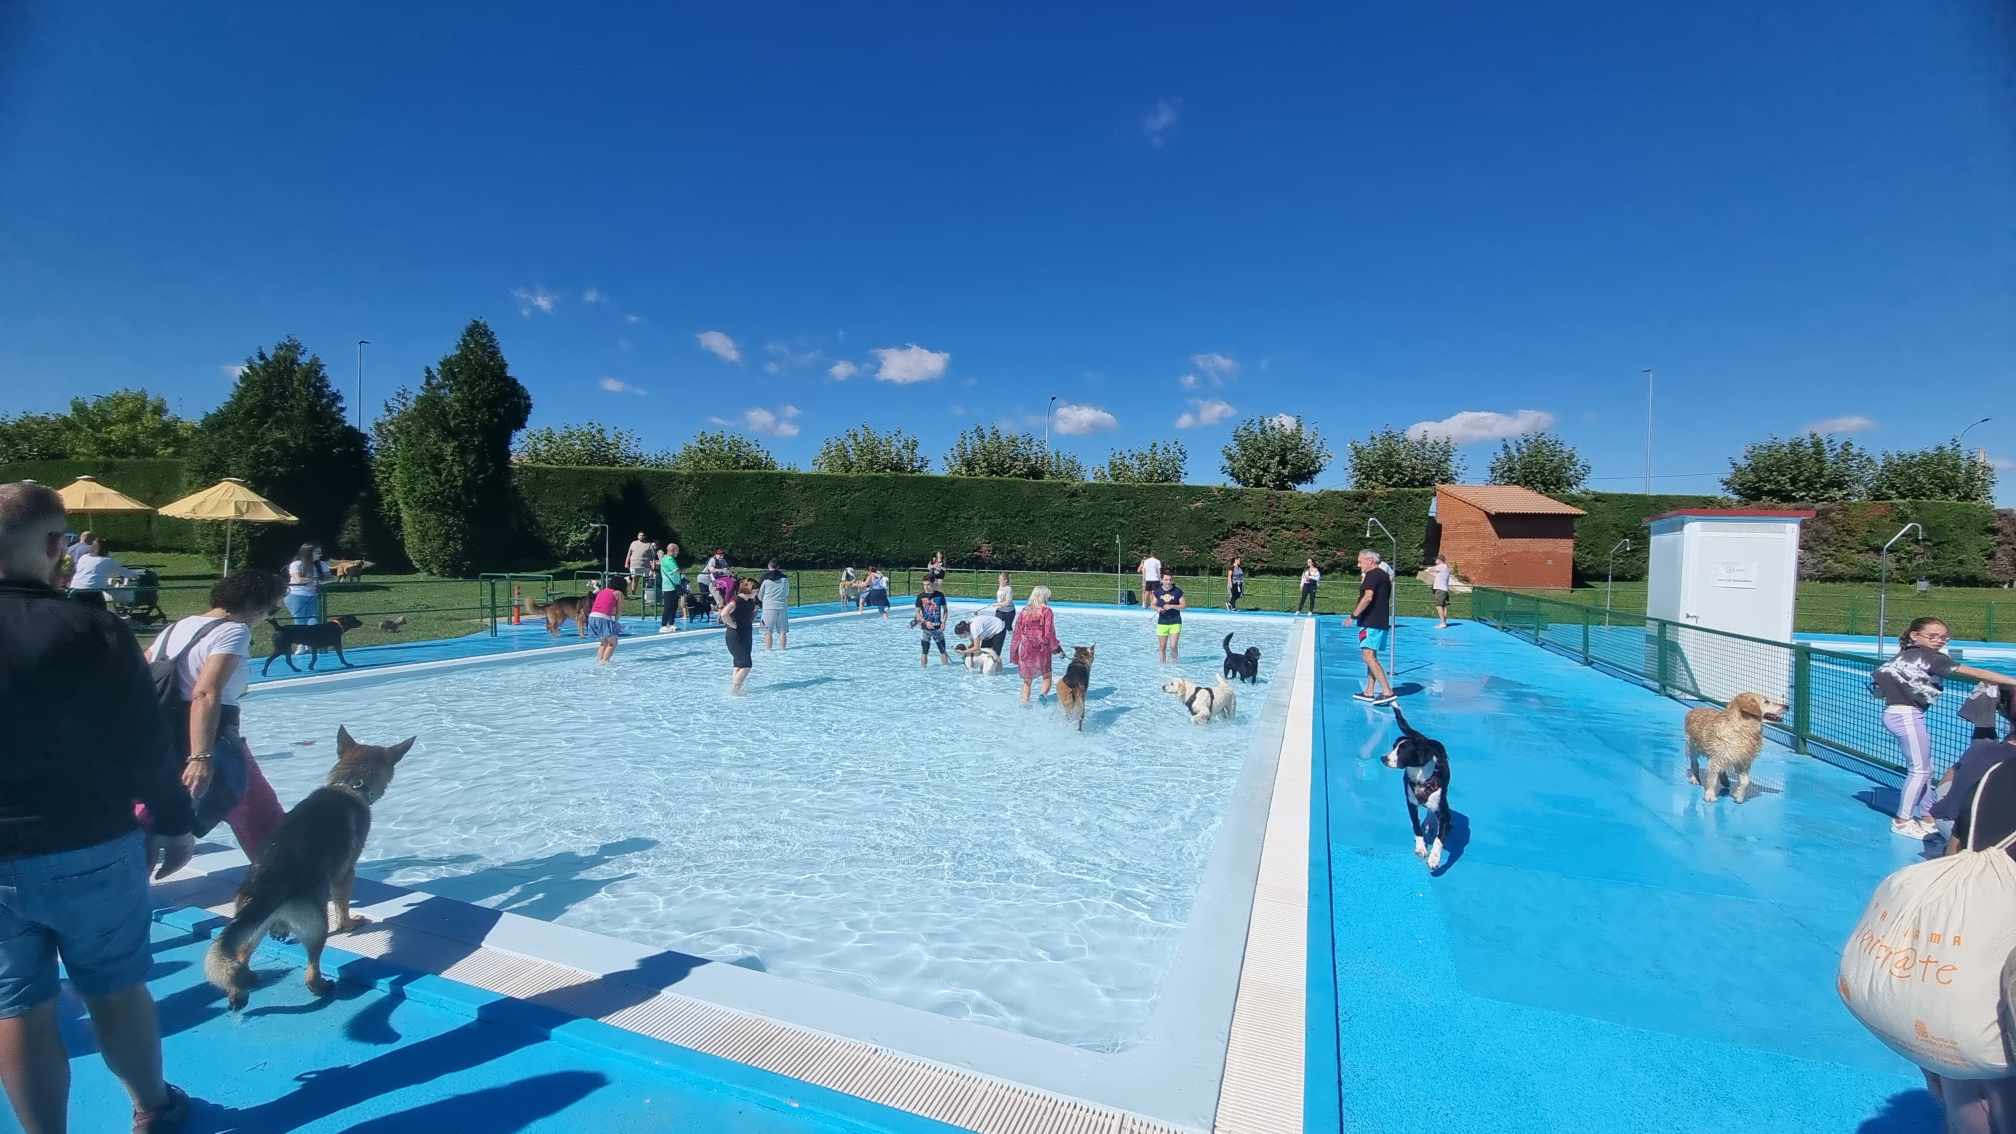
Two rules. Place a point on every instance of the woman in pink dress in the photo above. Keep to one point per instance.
(1036, 641)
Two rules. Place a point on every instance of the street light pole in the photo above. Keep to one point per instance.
(1648, 431)
(361, 344)
(1049, 411)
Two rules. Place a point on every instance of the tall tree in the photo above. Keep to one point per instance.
(590, 444)
(283, 432)
(1392, 459)
(1279, 452)
(34, 437)
(126, 423)
(1942, 472)
(1800, 470)
(1159, 462)
(862, 449)
(453, 471)
(1541, 462)
(385, 433)
(722, 452)
(988, 451)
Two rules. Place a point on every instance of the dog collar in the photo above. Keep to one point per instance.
(357, 787)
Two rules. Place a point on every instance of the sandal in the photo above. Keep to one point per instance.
(167, 1118)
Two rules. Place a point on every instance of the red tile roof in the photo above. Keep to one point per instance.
(1508, 500)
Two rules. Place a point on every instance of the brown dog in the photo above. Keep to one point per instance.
(563, 610)
(350, 570)
(1077, 679)
(306, 869)
(1731, 738)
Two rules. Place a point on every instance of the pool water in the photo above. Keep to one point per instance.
(916, 837)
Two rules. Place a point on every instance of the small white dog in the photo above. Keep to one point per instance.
(982, 659)
(1203, 701)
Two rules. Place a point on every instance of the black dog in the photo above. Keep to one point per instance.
(317, 636)
(1425, 764)
(1244, 666)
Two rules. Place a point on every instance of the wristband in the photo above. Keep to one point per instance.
(195, 756)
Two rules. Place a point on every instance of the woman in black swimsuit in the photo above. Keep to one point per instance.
(739, 616)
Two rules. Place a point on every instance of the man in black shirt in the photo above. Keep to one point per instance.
(82, 738)
(1374, 617)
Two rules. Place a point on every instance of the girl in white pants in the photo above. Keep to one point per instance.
(1908, 684)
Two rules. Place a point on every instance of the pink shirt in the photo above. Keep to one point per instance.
(608, 601)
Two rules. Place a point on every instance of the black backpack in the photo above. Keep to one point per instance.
(166, 674)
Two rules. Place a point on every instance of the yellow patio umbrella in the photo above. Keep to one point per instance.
(229, 500)
(85, 495)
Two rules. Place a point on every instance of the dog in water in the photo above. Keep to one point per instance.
(573, 608)
(1424, 766)
(1077, 679)
(1242, 666)
(985, 660)
(1730, 738)
(306, 869)
(315, 636)
(1204, 701)
(350, 570)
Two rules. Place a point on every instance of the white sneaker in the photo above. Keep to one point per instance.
(1907, 828)
(666, 629)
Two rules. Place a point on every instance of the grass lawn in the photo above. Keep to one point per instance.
(1982, 613)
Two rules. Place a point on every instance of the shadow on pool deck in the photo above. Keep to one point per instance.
(1608, 952)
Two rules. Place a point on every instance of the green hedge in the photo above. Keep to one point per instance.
(1843, 542)
(1617, 515)
(153, 481)
(825, 519)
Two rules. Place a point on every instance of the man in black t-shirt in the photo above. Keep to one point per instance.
(1374, 618)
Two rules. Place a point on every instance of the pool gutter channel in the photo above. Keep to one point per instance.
(1223, 1049)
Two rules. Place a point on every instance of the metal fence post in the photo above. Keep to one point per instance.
(1802, 696)
(1659, 659)
(1585, 634)
(1988, 629)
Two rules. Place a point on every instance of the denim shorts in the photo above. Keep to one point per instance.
(88, 906)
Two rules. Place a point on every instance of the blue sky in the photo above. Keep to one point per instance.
(1365, 214)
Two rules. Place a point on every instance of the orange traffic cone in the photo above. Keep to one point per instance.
(517, 605)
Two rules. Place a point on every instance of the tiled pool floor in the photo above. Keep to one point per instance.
(1605, 951)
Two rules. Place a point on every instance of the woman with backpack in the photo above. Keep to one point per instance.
(207, 657)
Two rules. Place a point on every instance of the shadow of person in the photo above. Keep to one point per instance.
(513, 1106)
(543, 888)
(1908, 1112)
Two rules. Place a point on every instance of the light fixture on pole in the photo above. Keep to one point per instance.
(361, 344)
(1648, 431)
(1609, 576)
(1393, 564)
(1883, 587)
(1049, 412)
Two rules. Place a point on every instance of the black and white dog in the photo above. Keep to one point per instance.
(1424, 765)
(1242, 666)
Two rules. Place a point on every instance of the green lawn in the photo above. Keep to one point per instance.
(1983, 613)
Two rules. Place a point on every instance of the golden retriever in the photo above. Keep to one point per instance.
(1730, 738)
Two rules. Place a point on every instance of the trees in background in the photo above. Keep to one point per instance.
(121, 424)
(863, 449)
(590, 444)
(283, 432)
(1160, 462)
(1942, 472)
(33, 437)
(721, 451)
(1392, 459)
(1274, 452)
(452, 468)
(1800, 470)
(986, 450)
(1542, 462)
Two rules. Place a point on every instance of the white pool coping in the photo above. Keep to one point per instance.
(1223, 1047)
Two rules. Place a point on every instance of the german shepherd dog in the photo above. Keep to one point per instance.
(560, 611)
(1242, 666)
(1077, 679)
(306, 868)
(317, 636)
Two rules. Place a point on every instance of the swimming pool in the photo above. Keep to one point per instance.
(915, 837)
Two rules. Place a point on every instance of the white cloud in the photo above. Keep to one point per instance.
(913, 363)
(783, 358)
(1188, 381)
(1482, 425)
(592, 295)
(233, 370)
(1161, 121)
(1849, 423)
(771, 424)
(633, 320)
(842, 370)
(1074, 420)
(719, 345)
(1218, 367)
(1207, 413)
(2002, 464)
(958, 410)
(619, 386)
(1286, 421)
(625, 344)
(532, 299)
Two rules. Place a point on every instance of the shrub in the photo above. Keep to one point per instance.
(453, 468)
(149, 481)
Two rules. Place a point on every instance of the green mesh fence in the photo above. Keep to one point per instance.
(1826, 691)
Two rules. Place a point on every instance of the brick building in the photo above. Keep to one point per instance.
(1501, 535)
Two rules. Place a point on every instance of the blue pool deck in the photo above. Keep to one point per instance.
(1605, 951)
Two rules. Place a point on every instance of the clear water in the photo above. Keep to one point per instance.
(917, 837)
